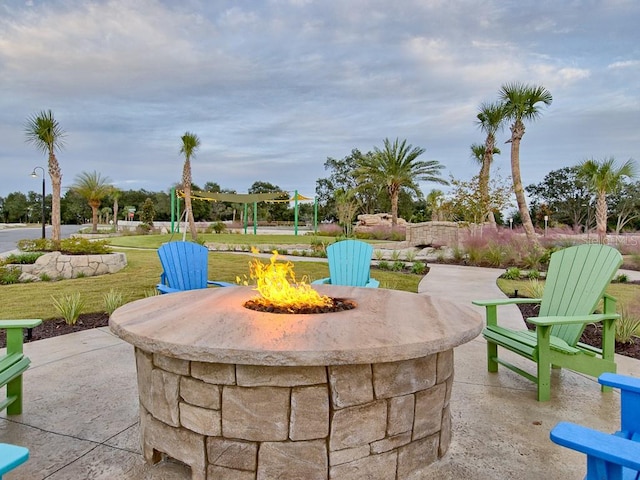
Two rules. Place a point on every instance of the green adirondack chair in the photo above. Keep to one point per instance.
(575, 284)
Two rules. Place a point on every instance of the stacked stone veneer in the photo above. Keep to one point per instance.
(434, 234)
(56, 265)
(384, 421)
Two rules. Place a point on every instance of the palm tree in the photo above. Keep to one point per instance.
(115, 196)
(603, 178)
(190, 143)
(47, 135)
(396, 168)
(93, 188)
(491, 117)
(521, 104)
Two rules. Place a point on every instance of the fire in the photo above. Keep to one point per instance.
(277, 285)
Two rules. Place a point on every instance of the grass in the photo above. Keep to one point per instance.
(154, 241)
(34, 300)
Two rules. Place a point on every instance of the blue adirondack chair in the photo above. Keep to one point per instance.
(349, 264)
(11, 456)
(185, 267)
(609, 456)
(575, 283)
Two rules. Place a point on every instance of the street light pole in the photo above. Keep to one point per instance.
(35, 175)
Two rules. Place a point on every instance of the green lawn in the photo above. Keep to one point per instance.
(138, 279)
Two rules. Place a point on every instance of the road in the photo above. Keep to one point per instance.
(9, 237)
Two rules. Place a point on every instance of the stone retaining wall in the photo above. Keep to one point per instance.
(56, 265)
(241, 422)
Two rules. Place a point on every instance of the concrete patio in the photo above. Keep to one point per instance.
(81, 406)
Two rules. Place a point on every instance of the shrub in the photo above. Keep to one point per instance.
(410, 255)
(112, 300)
(627, 325)
(534, 289)
(9, 275)
(384, 265)
(44, 277)
(395, 255)
(621, 278)
(23, 258)
(68, 246)
(69, 307)
(419, 268)
(533, 274)
(378, 254)
(217, 227)
(512, 273)
(397, 266)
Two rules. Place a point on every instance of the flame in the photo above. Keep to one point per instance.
(277, 285)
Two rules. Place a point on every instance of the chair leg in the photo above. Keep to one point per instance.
(492, 354)
(14, 389)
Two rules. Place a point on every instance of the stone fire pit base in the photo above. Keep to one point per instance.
(243, 422)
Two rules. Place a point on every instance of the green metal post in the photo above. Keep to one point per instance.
(246, 217)
(255, 218)
(315, 215)
(295, 213)
(173, 208)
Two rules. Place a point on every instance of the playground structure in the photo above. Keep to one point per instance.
(245, 199)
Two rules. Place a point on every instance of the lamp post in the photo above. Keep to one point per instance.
(546, 222)
(511, 224)
(35, 175)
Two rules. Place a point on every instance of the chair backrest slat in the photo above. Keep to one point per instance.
(185, 265)
(349, 262)
(575, 283)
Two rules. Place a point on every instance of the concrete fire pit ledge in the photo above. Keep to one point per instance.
(240, 394)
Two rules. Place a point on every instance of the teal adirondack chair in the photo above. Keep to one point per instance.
(575, 283)
(185, 267)
(349, 264)
(609, 456)
(11, 456)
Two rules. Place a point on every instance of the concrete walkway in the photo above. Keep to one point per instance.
(81, 406)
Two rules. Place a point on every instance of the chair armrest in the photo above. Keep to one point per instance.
(322, 281)
(165, 289)
(622, 382)
(372, 283)
(505, 301)
(221, 284)
(610, 448)
(30, 323)
(593, 318)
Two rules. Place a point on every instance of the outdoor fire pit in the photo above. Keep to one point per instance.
(242, 394)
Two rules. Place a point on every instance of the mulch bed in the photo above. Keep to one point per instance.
(53, 328)
(592, 334)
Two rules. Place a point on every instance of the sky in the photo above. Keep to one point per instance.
(273, 88)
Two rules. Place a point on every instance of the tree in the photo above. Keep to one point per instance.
(190, 143)
(397, 168)
(272, 211)
(147, 214)
(43, 131)
(465, 198)
(565, 193)
(115, 195)
(521, 103)
(603, 178)
(343, 177)
(478, 153)
(93, 188)
(625, 205)
(491, 117)
(346, 208)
